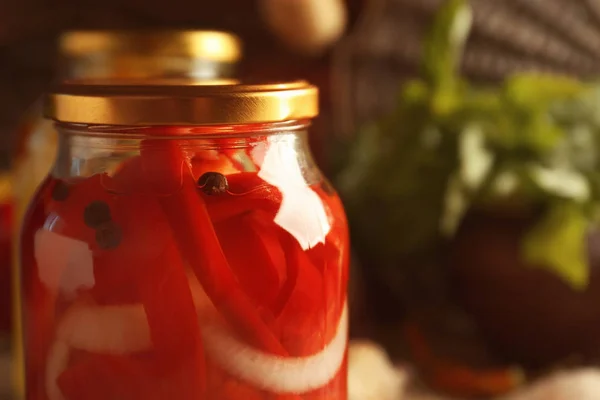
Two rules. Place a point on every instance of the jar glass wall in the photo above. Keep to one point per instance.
(173, 261)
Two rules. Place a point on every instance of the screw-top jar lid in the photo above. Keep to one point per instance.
(161, 102)
(208, 45)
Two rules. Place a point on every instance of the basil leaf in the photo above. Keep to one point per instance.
(444, 46)
(558, 243)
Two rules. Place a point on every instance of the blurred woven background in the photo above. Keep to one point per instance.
(382, 46)
(561, 36)
(28, 30)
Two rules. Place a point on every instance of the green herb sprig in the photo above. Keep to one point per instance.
(450, 146)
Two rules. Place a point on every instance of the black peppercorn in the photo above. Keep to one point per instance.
(96, 213)
(109, 235)
(60, 191)
(213, 183)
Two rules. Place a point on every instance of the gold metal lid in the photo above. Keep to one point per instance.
(194, 103)
(209, 45)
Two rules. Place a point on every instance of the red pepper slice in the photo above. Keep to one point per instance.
(101, 377)
(104, 376)
(62, 213)
(133, 222)
(336, 249)
(325, 269)
(251, 245)
(172, 319)
(337, 239)
(166, 169)
(142, 261)
(247, 192)
(222, 386)
(303, 324)
(162, 283)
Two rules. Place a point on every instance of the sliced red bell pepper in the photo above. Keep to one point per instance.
(222, 386)
(39, 308)
(165, 168)
(333, 256)
(174, 329)
(103, 376)
(324, 268)
(124, 232)
(173, 321)
(143, 264)
(251, 245)
(247, 192)
(85, 210)
(303, 324)
(60, 210)
(338, 235)
(233, 389)
(148, 262)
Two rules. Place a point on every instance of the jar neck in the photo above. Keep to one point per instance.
(88, 150)
(110, 66)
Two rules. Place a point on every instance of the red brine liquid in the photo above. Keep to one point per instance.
(186, 274)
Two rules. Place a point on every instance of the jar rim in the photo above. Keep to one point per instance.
(181, 102)
(213, 45)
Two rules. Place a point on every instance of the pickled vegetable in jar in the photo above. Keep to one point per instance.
(201, 55)
(185, 246)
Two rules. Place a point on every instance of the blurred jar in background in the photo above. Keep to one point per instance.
(111, 55)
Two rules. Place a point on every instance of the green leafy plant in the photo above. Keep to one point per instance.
(450, 145)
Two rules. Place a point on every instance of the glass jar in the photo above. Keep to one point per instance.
(132, 55)
(185, 246)
(200, 54)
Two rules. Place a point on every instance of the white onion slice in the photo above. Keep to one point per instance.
(65, 264)
(106, 329)
(124, 329)
(274, 373)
